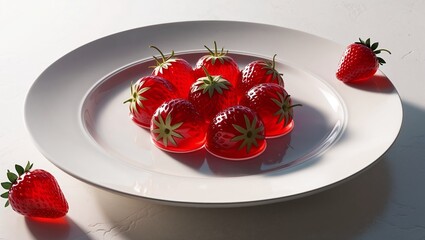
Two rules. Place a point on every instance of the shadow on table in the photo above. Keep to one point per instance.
(378, 83)
(55, 229)
(340, 212)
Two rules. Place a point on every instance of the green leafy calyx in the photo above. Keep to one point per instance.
(374, 48)
(284, 108)
(165, 130)
(164, 62)
(217, 55)
(270, 67)
(211, 84)
(13, 178)
(137, 96)
(248, 134)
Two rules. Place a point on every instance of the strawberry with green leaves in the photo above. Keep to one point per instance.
(176, 70)
(273, 105)
(34, 193)
(236, 133)
(218, 63)
(146, 95)
(259, 71)
(360, 61)
(211, 94)
(178, 127)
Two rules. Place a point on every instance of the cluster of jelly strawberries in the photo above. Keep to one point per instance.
(213, 105)
(230, 112)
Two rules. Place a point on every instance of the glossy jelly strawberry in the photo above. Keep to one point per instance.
(274, 106)
(177, 126)
(147, 94)
(259, 71)
(218, 63)
(176, 70)
(212, 94)
(236, 133)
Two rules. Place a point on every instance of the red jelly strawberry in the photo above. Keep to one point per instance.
(236, 133)
(274, 106)
(176, 70)
(218, 63)
(177, 126)
(212, 94)
(34, 193)
(147, 94)
(259, 71)
(360, 61)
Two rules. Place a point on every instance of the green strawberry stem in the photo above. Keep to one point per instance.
(13, 179)
(274, 62)
(273, 67)
(164, 59)
(207, 74)
(270, 67)
(374, 49)
(216, 53)
(221, 56)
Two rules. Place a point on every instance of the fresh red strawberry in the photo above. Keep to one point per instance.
(34, 193)
(360, 61)
(273, 105)
(212, 94)
(236, 133)
(218, 63)
(176, 70)
(177, 126)
(147, 94)
(259, 71)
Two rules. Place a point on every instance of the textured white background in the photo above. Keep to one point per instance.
(385, 202)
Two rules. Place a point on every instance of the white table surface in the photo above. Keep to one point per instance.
(384, 202)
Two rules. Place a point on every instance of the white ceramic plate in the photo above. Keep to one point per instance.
(76, 115)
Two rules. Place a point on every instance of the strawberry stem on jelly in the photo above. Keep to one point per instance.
(284, 107)
(270, 66)
(164, 59)
(221, 56)
(212, 83)
(207, 73)
(274, 62)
